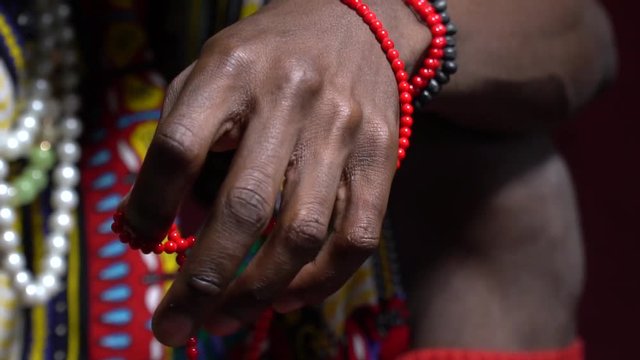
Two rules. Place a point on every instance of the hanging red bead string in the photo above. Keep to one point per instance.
(175, 244)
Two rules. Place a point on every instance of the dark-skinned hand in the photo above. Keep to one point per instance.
(307, 98)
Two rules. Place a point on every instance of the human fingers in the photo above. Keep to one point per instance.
(199, 106)
(174, 89)
(360, 209)
(303, 221)
(243, 207)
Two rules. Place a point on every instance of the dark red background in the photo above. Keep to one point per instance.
(602, 147)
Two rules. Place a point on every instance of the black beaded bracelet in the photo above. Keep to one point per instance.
(448, 65)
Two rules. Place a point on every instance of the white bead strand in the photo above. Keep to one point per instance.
(17, 142)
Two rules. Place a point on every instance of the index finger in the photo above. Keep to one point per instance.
(178, 149)
(243, 207)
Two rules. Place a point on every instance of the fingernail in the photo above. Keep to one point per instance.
(173, 328)
(222, 325)
(288, 305)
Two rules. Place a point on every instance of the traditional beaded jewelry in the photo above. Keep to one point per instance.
(174, 244)
(436, 66)
(398, 66)
(34, 177)
(439, 64)
(60, 136)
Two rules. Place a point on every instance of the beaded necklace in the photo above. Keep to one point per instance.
(47, 125)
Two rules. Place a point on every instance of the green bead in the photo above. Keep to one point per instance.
(43, 159)
(38, 176)
(25, 190)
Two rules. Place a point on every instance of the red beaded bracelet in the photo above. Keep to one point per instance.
(407, 90)
(440, 61)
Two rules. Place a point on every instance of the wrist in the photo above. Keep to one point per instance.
(411, 37)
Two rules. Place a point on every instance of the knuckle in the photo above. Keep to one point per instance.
(248, 204)
(260, 292)
(176, 142)
(347, 115)
(173, 90)
(379, 144)
(299, 75)
(362, 239)
(383, 136)
(233, 55)
(306, 235)
(211, 45)
(205, 283)
(237, 59)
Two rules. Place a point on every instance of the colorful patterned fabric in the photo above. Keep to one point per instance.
(124, 286)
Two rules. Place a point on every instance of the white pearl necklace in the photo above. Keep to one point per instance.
(38, 289)
(16, 142)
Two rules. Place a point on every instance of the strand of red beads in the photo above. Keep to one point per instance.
(426, 72)
(433, 73)
(175, 244)
(435, 50)
(407, 90)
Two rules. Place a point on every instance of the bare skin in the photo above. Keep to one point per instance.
(311, 100)
(491, 251)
